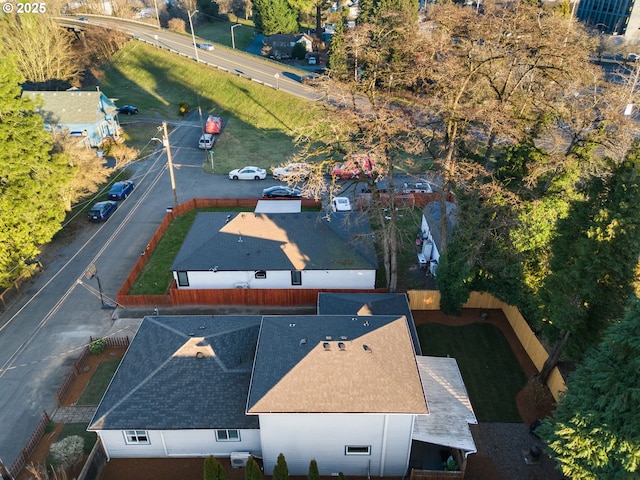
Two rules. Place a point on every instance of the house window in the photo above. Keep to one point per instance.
(357, 450)
(261, 274)
(136, 437)
(227, 435)
(296, 277)
(183, 279)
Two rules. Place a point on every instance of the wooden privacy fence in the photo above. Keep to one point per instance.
(430, 300)
(232, 296)
(165, 300)
(20, 462)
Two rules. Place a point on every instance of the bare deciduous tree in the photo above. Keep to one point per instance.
(43, 49)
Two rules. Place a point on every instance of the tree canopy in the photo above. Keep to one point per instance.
(274, 16)
(32, 178)
(595, 429)
(594, 258)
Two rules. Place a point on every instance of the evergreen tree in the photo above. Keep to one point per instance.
(314, 474)
(281, 470)
(274, 16)
(595, 428)
(213, 469)
(595, 254)
(31, 178)
(252, 471)
(337, 54)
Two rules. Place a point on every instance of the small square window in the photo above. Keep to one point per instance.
(357, 450)
(183, 279)
(296, 277)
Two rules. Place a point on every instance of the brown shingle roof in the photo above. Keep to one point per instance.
(367, 366)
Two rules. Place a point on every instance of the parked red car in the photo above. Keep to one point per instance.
(213, 125)
(354, 167)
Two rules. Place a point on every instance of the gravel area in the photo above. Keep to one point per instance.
(507, 445)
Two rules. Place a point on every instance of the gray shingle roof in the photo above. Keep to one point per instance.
(335, 364)
(369, 304)
(266, 241)
(72, 107)
(162, 385)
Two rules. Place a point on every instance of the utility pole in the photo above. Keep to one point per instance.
(170, 162)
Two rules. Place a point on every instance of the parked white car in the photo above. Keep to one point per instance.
(341, 204)
(206, 141)
(293, 171)
(248, 173)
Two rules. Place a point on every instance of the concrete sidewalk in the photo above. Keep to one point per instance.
(74, 414)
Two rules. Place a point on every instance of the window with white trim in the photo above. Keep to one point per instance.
(136, 437)
(227, 435)
(357, 450)
(183, 279)
(296, 277)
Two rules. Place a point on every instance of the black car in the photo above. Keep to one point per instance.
(128, 109)
(101, 211)
(121, 190)
(280, 191)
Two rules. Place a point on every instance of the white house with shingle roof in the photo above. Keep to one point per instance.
(306, 250)
(346, 390)
(91, 116)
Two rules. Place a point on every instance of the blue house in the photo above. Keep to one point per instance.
(89, 115)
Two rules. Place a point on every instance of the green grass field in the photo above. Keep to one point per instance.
(261, 122)
(491, 372)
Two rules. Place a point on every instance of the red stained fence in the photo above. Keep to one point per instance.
(237, 296)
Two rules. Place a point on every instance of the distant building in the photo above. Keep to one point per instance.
(614, 17)
(91, 116)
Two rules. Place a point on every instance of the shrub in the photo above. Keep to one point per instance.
(314, 473)
(97, 346)
(177, 25)
(184, 109)
(299, 51)
(252, 471)
(213, 469)
(67, 452)
(281, 470)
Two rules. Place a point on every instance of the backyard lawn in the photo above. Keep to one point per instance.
(489, 368)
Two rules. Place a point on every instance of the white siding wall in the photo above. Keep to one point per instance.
(348, 279)
(323, 437)
(179, 443)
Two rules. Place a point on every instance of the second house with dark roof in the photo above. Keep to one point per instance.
(307, 250)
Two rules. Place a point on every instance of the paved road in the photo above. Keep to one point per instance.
(258, 69)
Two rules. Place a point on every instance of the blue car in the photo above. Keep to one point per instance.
(121, 190)
(101, 211)
(128, 110)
